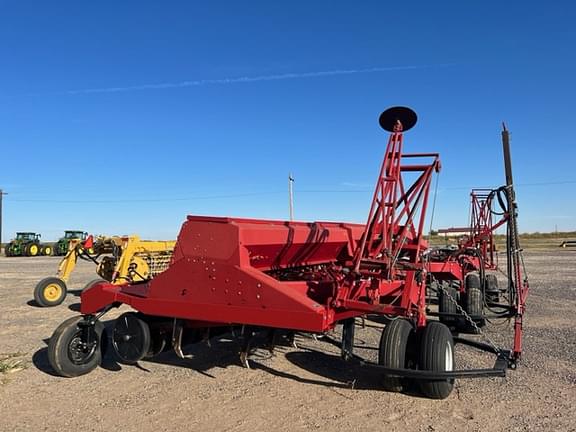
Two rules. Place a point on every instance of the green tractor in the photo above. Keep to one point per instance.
(27, 244)
(61, 246)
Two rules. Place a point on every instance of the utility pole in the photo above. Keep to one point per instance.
(291, 195)
(2, 193)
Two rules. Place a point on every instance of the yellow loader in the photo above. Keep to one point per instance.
(118, 260)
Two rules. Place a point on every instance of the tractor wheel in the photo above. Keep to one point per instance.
(447, 300)
(436, 354)
(69, 354)
(491, 289)
(50, 291)
(395, 351)
(46, 250)
(131, 338)
(32, 250)
(7, 251)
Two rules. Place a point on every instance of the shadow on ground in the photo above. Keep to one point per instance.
(328, 369)
(75, 307)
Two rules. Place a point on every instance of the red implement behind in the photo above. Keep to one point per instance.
(462, 273)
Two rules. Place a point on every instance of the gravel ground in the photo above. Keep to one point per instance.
(307, 388)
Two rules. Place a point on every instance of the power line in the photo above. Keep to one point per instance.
(248, 194)
(136, 200)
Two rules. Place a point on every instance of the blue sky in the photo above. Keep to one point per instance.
(123, 117)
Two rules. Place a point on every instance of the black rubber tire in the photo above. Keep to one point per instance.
(445, 305)
(491, 288)
(396, 351)
(58, 250)
(41, 292)
(436, 344)
(475, 306)
(472, 281)
(46, 250)
(474, 302)
(491, 282)
(64, 340)
(131, 338)
(473, 299)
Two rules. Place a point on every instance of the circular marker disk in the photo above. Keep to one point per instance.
(405, 115)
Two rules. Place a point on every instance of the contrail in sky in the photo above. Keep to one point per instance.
(248, 79)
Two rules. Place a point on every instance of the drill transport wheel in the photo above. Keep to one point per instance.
(396, 342)
(436, 354)
(491, 289)
(473, 301)
(447, 304)
(50, 291)
(131, 338)
(75, 347)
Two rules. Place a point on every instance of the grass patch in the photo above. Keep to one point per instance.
(10, 363)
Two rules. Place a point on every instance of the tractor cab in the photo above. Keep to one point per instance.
(27, 236)
(63, 244)
(81, 235)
